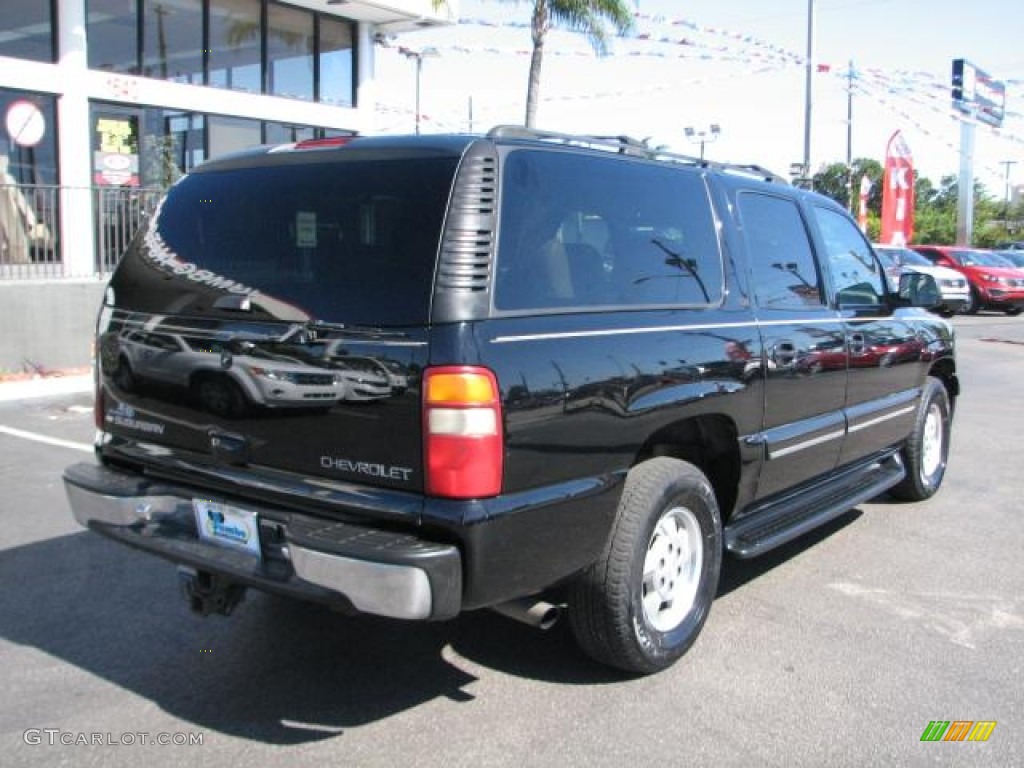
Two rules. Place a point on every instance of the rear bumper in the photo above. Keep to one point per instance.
(373, 571)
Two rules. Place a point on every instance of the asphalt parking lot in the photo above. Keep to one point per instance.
(838, 650)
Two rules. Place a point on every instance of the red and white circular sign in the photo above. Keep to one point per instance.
(25, 123)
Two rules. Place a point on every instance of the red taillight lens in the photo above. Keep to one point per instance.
(327, 143)
(463, 450)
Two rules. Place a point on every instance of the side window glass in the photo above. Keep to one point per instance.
(856, 274)
(785, 273)
(579, 231)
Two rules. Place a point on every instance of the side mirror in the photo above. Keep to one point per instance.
(919, 290)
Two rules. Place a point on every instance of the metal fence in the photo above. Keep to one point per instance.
(29, 226)
(118, 213)
(30, 233)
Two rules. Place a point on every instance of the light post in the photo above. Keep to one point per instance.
(426, 53)
(702, 136)
(1006, 200)
(798, 174)
(809, 77)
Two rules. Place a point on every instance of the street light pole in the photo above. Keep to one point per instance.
(702, 136)
(419, 74)
(418, 56)
(1006, 200)
(809, 83)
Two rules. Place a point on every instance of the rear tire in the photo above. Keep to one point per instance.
(642, 604)
(1013, 311)
(927, 448)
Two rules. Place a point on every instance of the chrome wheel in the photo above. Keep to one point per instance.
(672, 569)
(932, 439)
(642, 603)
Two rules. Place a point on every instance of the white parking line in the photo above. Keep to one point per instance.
(44, 439)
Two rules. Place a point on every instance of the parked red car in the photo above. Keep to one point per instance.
(994, 284)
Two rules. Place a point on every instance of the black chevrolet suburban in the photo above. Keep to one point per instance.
(533, 372)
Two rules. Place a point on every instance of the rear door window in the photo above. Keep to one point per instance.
(785, 272)
(579, 231)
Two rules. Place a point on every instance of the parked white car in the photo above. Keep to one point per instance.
(896, 260)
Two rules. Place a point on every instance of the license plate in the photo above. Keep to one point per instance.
(227, 526)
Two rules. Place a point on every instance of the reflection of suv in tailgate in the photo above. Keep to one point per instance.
(597, 369)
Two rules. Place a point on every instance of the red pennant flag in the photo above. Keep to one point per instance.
(862, 203)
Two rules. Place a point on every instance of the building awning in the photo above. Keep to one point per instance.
(390, 16)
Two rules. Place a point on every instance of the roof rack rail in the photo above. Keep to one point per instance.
(628, 145)
(624, 144)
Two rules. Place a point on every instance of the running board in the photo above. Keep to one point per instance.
(794, 515)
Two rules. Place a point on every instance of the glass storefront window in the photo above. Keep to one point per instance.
(26, 30)
(281, 133)
(28, 138)
(337, 56)
(187, 131)
(236, 36)
(115, 148)
(172, 40)
(29, 200)
(113, 35)
(290, 52)
(230, 134)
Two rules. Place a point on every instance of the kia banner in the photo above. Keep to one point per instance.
(897, 193)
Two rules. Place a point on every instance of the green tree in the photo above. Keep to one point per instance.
(832, 181)
(590, 17)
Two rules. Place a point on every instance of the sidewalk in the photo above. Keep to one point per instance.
(64, 383)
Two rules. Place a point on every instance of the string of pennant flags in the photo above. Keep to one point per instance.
(662, 37)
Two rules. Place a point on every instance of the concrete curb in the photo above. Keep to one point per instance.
(45, 386)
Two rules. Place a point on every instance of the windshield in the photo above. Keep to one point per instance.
(893, 257)
(914, 259)
(980, 259)
(351, 241)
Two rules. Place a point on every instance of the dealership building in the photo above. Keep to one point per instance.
(106, 102)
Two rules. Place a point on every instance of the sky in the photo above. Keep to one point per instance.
(739, 64)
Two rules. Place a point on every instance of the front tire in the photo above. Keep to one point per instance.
(927, 449)
(642, 604)
(973, 303)
(220, 396)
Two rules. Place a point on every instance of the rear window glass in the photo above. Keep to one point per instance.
(579, 231)
(352, 242)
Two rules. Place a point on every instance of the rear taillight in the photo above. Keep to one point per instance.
(327, 143)
(463, 451)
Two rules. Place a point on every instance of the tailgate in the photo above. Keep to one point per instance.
(274, 313)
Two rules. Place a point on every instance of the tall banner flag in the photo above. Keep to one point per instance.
(897, 193)
(862, 203)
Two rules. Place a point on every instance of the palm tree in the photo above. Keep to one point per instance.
(586, 16)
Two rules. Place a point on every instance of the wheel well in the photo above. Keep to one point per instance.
(206, 373)
(945, 371)
(710, 443)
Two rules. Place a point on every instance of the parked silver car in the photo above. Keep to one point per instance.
(896, 260)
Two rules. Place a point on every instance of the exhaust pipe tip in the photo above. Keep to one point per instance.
(529, 610)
